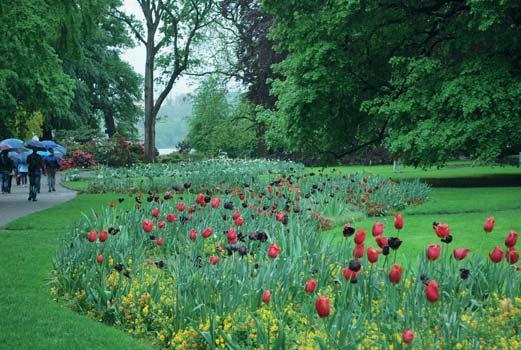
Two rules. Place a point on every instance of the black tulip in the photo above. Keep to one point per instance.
(160, 264)
(354, 265)
(243, 250)
(385, 250)
(348, 231)
(464, 273)
(394, 243)
(447, 239)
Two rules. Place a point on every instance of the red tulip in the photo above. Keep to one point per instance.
(92, 236)
(239, 221)
(372, 254)
(99, 259)
(266, 296)
(148, 225)
(241, 196)
(236, 214)
(171, 218)
(215, 202)
(395, 275)
(360, 236)
(206, 233)
(496, 255)
(270, 189)
(382, 241)
(442, 230)
(432, 292)
(232, 235)
(398, 222)
(407, 336)
(214, 260)
(112, 204)
(378, 229)
(200, 199)
(161, 224)
(358, 251)
(310, 286)
(180, 207)
(273, 251)
(488, 226)
(512, 255)
(433, 251)
(192, 234)
(103, 235)
(350, 275)
(511, 239)
(461, 253)
(322, 306)
(280, 216)
(159, 241)
(155, 212)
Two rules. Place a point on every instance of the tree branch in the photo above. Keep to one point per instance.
(128, 21)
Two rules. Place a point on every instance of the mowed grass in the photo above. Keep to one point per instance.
(30, 319)
(464, 169)
(464, 209)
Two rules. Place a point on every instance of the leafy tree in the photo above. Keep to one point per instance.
(31, 74)
(169, 32)
(431, 78)
(107, 88)
(216, 125)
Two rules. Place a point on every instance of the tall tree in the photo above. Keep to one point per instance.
(254, 57)
(170, 31)
(431, 78)
(31, 74)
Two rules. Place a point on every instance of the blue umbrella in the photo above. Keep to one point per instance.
(12, 144)
(55, 147)
(34, 144)
(20, 156)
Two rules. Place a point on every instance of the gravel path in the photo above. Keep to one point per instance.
(15, 204)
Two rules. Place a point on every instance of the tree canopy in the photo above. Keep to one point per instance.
(431, 79)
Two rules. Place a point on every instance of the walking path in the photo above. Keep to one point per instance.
(15, 204)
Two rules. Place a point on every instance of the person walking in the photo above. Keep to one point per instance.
(52, 164)
(36, 168)
(6, 167)
(22, 171)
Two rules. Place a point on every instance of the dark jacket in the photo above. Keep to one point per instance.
(35, 163)
(6, 164)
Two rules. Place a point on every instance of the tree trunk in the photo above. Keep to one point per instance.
(110, 124)
(150, 117)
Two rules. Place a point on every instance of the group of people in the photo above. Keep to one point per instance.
(32, 167)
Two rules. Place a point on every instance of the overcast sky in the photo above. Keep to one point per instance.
(136, 56)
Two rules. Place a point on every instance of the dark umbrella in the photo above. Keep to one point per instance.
(35, 145)
(58, 149)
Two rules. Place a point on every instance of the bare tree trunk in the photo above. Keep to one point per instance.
(150, 115)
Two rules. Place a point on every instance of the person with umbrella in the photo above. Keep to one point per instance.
(36, 168)
(52, 164)
(21, 167)
(6, 167)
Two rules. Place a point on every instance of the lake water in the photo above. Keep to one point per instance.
(164, 151)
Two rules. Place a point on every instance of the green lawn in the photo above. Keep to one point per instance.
(452, 170)
(464, 209)
(30, 319)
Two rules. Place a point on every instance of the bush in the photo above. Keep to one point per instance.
(79, 159)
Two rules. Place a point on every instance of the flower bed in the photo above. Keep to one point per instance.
(247, 269)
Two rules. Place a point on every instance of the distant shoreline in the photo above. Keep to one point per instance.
(165, 151)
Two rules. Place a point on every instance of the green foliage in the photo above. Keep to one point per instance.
(31, 73)
(219, 126)
(433, 79)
